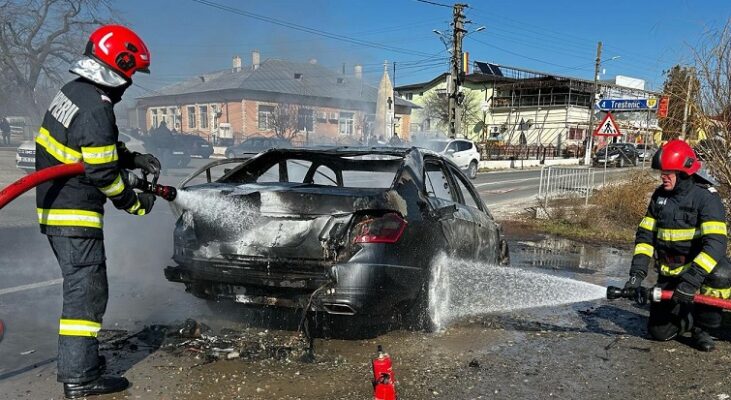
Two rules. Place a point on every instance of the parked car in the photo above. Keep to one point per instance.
(171, 152)
(196, 146)
(462, 152)
(351, 232)
(25, 156)
(619, 155)
(646, 151)
(255, 145)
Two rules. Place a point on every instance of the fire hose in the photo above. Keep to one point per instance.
(642, 295)
(22, 185)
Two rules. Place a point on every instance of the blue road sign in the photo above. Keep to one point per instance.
(628, 104)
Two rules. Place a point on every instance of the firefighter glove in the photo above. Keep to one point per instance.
(147, 163)
(634, 282)
(143, 204)
(684, 293)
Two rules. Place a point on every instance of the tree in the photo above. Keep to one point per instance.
(677, 81)
(39, 39)
(284, 120)
(713, 65)
(436, 107)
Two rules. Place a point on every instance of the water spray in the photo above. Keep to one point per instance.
(643, 295)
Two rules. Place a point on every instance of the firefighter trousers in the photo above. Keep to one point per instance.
(669, 319)
(85, 294)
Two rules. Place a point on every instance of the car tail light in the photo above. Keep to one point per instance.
(384, 229)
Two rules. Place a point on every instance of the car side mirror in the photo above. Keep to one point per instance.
(450, 152)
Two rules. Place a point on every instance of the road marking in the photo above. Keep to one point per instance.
(510, 181)
(31, 286)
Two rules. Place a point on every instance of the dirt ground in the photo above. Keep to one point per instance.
(586, 350)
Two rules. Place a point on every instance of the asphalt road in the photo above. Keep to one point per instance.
(138, 248)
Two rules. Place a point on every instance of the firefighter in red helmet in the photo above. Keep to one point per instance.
(684, 232)
(80, 126)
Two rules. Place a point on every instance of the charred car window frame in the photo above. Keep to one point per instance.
(427, 180)
(458, 178)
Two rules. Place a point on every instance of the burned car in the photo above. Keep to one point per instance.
(344, 231)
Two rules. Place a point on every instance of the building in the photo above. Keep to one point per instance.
(233, 104)
(516, 106)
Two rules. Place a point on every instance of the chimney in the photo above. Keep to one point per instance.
(255, 58)
(313, 61)
(358, 71)
(236, 64)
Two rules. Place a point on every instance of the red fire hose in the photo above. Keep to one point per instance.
(28, 182)
(665, 295)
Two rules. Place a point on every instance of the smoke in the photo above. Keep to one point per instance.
(459, 289)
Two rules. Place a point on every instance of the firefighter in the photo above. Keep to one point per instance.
(80, 126)
(684, 232)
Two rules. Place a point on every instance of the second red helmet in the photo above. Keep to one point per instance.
(120, 49)
(676, 155)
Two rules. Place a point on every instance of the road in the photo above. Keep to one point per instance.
(137, 250)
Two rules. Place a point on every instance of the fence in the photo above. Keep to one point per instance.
(563, 182)
(523, 152)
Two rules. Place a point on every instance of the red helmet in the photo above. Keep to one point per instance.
(676, 155)
(120, 49)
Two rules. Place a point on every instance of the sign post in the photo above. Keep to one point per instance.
(607, 128)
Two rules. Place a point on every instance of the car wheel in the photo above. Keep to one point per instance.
(472, 170)
(418, 316)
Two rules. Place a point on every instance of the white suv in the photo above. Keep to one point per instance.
(462, 152)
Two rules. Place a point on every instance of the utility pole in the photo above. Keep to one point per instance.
(595, 94)
(690, 74)
(456, 71)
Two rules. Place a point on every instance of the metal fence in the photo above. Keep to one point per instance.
(533, 152)
(565, 182)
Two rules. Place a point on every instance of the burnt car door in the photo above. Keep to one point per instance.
(456, 221)
(487, 246)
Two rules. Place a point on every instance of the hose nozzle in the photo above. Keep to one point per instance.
(168, 193)
(639, 295)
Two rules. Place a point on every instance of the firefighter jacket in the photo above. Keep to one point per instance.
(684, 228)
(80, 126)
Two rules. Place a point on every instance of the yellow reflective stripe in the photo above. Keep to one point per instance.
(78, 327)
(135, 209)
(648, 223)
(677, 235)
(705, 261)
(667, 270)
(716, 292)
(115, 188)
(60, 152)
(644, 248)
(66, 217)
(100, 155)
(713, 228)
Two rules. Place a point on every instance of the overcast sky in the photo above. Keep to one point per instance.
(187, 37)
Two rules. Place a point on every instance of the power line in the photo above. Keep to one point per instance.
(306, 29)
(434, 3)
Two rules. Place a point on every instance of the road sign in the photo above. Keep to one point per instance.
(628, 104)
(662, 109)
(608, 127)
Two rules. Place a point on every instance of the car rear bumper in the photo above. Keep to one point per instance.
(346, 288)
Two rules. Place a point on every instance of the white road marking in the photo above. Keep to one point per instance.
(510, 181)
(31, 286)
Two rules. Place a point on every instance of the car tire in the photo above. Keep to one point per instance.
(472, 170)
(417, 317)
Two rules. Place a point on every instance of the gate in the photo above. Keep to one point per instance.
(565, 182)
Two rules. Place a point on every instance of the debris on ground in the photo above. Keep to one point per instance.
(27, 352)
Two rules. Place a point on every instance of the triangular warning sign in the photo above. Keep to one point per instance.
(608, 127)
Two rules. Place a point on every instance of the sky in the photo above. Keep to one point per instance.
(640, 38)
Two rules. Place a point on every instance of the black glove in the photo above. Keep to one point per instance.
(684, 293)
(147, 163)
(143, 205)
(633, 285)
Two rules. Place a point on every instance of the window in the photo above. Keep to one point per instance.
(191, 117)
(576, 134)
(155, 121)
(204, 116)
(304, 119)
(345, 123)
(269, 176)
(324, 176)
(463, 145)
(470, 198)
(452, 146)
(297, 169)
(409, 96)
(265, 117)
(437, 184)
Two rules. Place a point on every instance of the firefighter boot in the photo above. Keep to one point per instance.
(702, 340)
(101, 385)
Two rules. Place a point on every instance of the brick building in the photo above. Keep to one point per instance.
(239, 102)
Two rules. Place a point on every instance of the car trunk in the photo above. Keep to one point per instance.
(300, 226)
